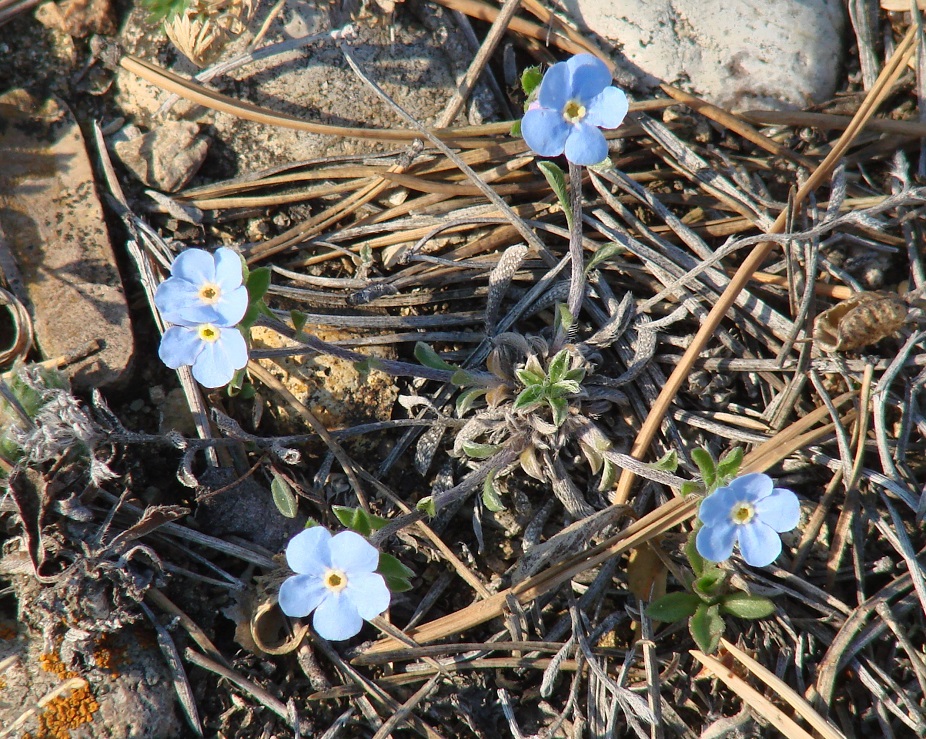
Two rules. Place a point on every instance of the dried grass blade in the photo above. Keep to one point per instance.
(752, 697)
(200, 95)
(787, 694)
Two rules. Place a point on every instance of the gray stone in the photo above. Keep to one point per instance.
(167, 157)
(53, 223)
(740, 54)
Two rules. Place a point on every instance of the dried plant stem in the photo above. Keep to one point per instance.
(752, 262)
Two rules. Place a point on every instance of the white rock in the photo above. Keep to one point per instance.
(740, 54)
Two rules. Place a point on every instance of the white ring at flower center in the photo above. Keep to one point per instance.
(210, 293)
(742, 513)
(335, 580)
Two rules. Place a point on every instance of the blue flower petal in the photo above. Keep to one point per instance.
(353, 554)
(231, 306)
(555, 90)
(368, 592)
(588, 77)
(545, 131)
(781, 510)
(217, 362)
(228, 272)
(180, 346)
(308, 551)
(585, 144)
(174, 296)
(607, 109)
(752, 487)
(336, 619)
(759, 544)
(716, 542)
(301, 594)
(194, 265)
(715, 508)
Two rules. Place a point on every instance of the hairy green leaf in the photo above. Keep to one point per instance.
(557, 180)
(467, 398)
(603, 253)
(258, 283)
(729, 465)
(743, 605)
(706, 627)
(530, 396)
(479, 451)
(490, 496)
(673, 607)
(705, 461)
(283, 497)
(429, 358)
(359, 520)
(427, 505)
(530, 79)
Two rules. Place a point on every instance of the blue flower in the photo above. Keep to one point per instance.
(203, 288)
(337, 579)
(215, 352)
(750, 510)
(575, 99)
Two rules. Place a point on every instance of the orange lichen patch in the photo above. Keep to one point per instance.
(109, 655)
(51, 662)
(64, 713)
(2, 683)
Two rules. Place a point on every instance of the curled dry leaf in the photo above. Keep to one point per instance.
(863, 319)
(201, 31)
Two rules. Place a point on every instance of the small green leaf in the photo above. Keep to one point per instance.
(479, 451)
(366, 365)
(690, 486)
(298, 318)
(250, 316)
(462, 378)
(529, 397)
(603, 253)
(560, 408)
(515, 130)
(557, 180)
(705, 461)
(706, 627)
(668, 463)
(283, 497)
(397, 584)
(427, 505)
(710, 582)
(674, 607)
(743, 605)
(247, 392)
(558, 366)
(490, 496)
(530, 79)
(359, 520)
(563, 319)
(389, 566)
(258, 283)
(729, 465)
(697, 562)
(467, 398)
(529, 378)
(566, 387)
(608, 476)
(429, 358)
(575, 375)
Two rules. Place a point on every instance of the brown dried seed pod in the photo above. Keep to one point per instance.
(863, 319)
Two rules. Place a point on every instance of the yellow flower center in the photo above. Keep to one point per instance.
(743, 512)
(210, 293)
(208, 332)
(574, 111)
(335, 580)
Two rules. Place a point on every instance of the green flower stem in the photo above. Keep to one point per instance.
(577, 275)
